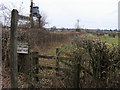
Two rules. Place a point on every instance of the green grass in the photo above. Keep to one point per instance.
(63, 47)
(106, 38)
(109, 39)
(68, 47)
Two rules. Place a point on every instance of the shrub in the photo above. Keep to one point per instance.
(102, 58)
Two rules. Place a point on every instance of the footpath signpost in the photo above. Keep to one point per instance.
(13, 50)
(17, 49)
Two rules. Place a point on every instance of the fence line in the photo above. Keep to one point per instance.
(73, 68)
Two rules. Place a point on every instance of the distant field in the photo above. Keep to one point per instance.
(106, 38)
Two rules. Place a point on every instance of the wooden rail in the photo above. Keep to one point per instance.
(46, 57)
(51, 67)
(54, 57)
(73, 68)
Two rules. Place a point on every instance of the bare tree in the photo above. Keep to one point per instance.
(43, 19)
(5, 15)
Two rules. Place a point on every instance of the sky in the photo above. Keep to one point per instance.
(92, 14)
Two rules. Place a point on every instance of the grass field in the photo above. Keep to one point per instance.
(106, 38)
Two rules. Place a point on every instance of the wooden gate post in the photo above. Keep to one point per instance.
(35, 61)
(31, 14)
(57, 61)
(13, 50)
(27, 69)
(0, 55)
(76, 74)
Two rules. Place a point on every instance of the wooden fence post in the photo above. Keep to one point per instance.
(57, 61)
(13, 50)
(27, 69)
(35, 64)
(0, 55)
(31, 14)
(76, 74)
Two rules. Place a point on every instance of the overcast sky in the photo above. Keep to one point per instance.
(99, 14)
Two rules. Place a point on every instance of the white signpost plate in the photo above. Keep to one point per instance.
(22, 48)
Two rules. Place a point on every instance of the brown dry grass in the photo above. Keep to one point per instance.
(42, 40)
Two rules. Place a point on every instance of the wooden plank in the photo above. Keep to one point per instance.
(53, 57)
(57, 61)
(50, 68)
(13, 50)
(65, 58)
(46, 67)
(46, 57)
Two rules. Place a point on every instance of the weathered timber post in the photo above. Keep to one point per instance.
(31, 14)
(57, 61)
(13, 50)
(76, 74)
(35, 64)
(39, 20)
(27, 68)
(1, 56)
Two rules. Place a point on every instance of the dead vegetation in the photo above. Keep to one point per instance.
(43, 40)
